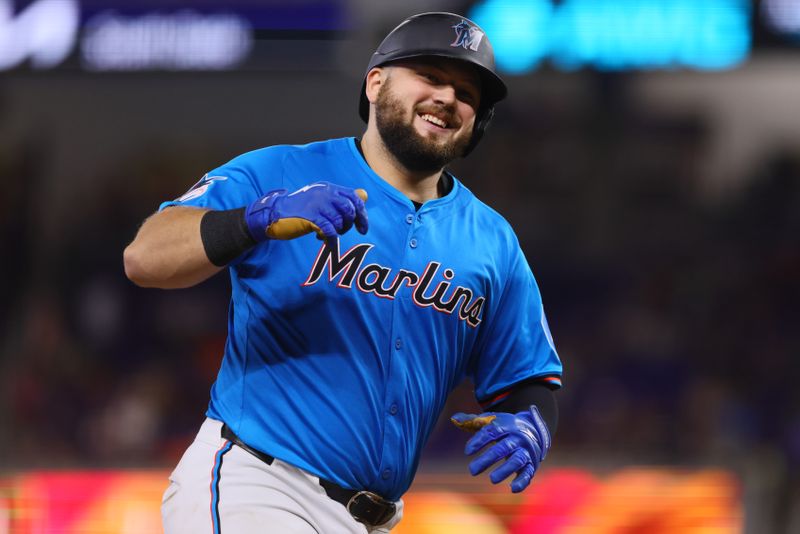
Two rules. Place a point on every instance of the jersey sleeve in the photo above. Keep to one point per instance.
(236, 183)
(515, 343)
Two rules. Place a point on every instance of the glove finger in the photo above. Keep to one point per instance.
(484, 436)
(326, 229)
(344, 206)
(523, 480)
(357, 198)
(331, 216)
(362, 221)
(492, 455)
(345, 210)
(513, 464)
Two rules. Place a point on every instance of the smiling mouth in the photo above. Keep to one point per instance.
(427, 117)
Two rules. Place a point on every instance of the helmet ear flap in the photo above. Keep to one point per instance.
(482, 120)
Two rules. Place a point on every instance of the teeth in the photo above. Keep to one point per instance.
(435, 120)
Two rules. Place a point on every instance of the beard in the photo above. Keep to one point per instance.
(415, 152)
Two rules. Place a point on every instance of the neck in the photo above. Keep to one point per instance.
(418, 186)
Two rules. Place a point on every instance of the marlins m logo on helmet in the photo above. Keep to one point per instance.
(467, 35)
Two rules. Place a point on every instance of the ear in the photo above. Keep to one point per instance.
(374, 82)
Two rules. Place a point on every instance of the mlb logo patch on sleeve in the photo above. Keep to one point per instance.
(200, 188)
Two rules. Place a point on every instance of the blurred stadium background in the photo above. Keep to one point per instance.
(648, 157)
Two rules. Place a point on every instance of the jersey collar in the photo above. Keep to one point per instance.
(394, 193)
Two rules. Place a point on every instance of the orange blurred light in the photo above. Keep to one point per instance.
(560, 501)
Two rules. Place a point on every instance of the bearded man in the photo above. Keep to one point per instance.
(343, 346)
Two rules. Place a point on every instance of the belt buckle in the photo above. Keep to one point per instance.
(372, 506)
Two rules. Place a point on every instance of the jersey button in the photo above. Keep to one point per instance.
(393, 409)
(413, 243)
(386, 474)
(410, 218)
(398, 343)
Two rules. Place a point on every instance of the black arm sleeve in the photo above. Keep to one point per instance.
(225, 235)
(528, 393)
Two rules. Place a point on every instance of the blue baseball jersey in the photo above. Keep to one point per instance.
(340, 356)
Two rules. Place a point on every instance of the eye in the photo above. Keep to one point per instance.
(431, 77)
(466, 96)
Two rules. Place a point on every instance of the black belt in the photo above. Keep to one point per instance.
(365, 507)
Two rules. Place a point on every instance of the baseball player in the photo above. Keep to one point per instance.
(367, 283)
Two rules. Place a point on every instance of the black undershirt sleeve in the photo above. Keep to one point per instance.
(528, 393)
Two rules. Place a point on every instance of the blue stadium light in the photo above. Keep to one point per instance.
(518, 30)
(783, 16)
(43, 32)
(617, 34)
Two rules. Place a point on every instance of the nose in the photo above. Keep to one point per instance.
(445, 94)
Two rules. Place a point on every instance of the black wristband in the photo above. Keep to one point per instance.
(539, 394)
(225, 235)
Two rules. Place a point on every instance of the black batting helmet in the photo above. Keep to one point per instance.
(443, 35)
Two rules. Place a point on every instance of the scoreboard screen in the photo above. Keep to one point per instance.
(305, 35)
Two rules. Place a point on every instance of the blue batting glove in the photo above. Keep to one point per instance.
(521, 440)
(322, 207)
